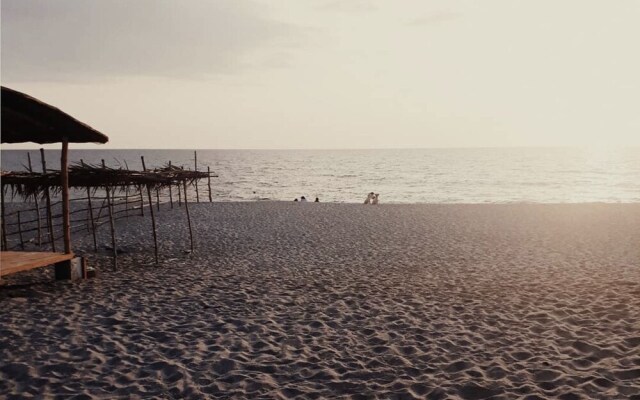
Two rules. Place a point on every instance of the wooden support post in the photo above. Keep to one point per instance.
(195, 154)
(91, 225)
(139, 191)
(64, 175)
(20, 231)
(170, 191)
(72, 269)
(97, 219)
(89, 208)
(158, 199)
(153, 217)
(35, 200)
(112, 225)
(139, 188)
(47, 198)
(209, 183)
(141, 201)
(186, 206)
(179, 195)
(126, 202)
(4, 226)
(114, 203)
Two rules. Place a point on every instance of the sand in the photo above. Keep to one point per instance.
(290, 300)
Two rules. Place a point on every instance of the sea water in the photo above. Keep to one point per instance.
(465, 175)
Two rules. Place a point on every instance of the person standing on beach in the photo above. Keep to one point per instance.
(368, 199)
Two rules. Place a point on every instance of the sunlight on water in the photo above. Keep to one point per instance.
(547, 175)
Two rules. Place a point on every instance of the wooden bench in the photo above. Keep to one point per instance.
(17, 261)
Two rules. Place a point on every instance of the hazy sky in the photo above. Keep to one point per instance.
(333, 74)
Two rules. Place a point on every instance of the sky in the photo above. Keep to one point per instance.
(332, 74)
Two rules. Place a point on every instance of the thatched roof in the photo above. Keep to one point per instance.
(26, 119)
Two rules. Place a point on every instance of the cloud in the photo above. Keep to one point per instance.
(76, 40)
(434, 18)
(348, 6)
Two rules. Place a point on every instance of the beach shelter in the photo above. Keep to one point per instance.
(26, 119)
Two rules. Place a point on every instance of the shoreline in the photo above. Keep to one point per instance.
(506, 203)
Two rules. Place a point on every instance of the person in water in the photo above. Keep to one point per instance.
(317, 200)
(303, 199)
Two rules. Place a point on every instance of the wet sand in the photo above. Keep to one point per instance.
(292, 300)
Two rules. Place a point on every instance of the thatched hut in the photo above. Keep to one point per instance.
(26, 119)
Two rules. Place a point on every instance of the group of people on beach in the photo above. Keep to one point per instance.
(372, 198)
(304, 199)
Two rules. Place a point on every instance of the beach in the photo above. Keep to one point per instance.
(319, 300)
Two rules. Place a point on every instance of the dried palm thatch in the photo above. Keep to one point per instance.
(29, 184)
(26, 119)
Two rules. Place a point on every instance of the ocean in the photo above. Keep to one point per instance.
(465, 175)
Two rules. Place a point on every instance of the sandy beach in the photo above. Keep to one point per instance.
(290, 300)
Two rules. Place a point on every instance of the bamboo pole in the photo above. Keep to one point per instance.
(37, 203)
(170, 192)
(141, 201)
(64, 177)
(112, 225)
(126, 202)
(20, 231)
(92, 225)
(195, 154)
(89, 208)
(140, 191)
(114, 202)
(97, 219)
(186, 206)
(48, 203)
(179, 196)
(153, 217)
(209, 183)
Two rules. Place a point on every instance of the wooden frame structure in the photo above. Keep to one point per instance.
(26, 119)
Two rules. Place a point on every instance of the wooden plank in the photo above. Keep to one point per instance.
(17, 261)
